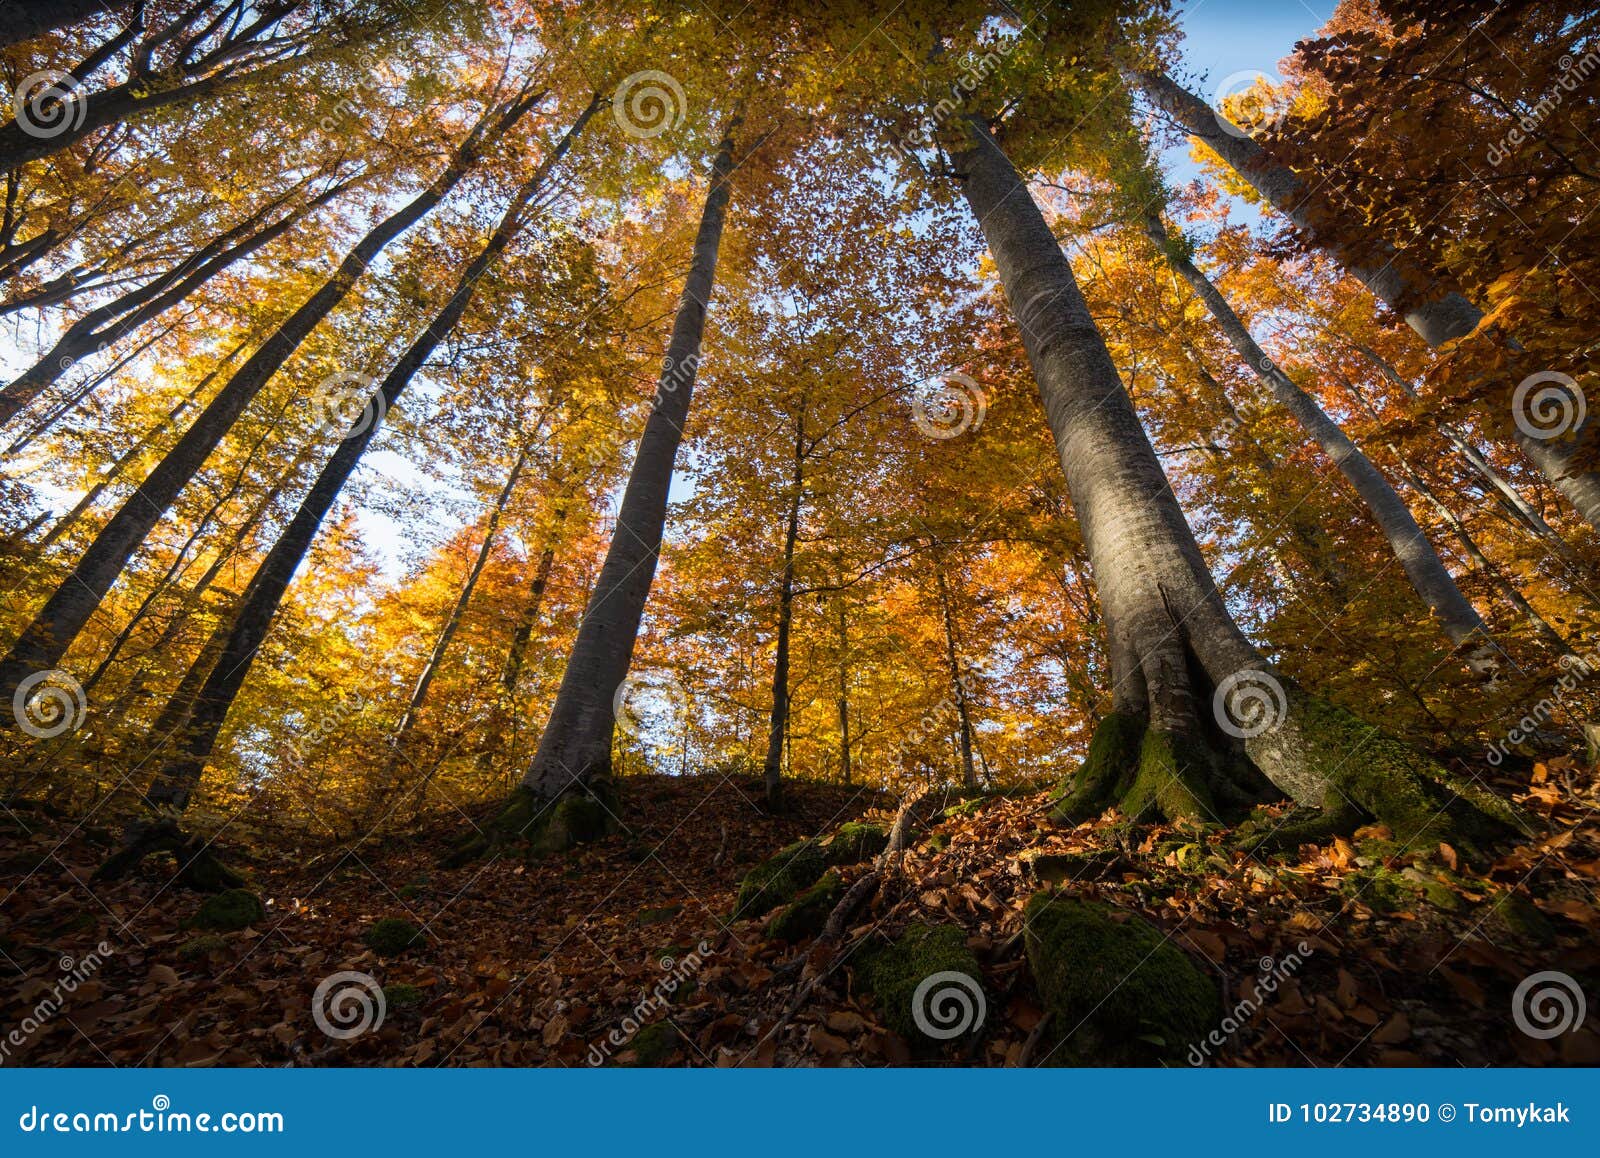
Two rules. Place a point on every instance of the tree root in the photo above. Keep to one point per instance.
(198, 867)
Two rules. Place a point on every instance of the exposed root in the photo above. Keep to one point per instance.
(541, 827)
(198, 867)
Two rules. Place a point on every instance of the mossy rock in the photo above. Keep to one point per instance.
(855, 842)
(1054, 868)
(202, 946)
(938, 842)
(964, 808)
(928, 986)
(409, 892)
(399, 995)
(778, 879)
(393, 935)
(1121, 992)
(229, 911)
(1512, 917)
(807, 913)
(1388, 890)
(653, 1044)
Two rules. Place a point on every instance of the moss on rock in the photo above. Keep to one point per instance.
(855, 842)
(393, 935)
(776, 880)
(229, 911)
(898, 977)
(807, 913)
(399, 995)
(202, 946)
(1120, 992)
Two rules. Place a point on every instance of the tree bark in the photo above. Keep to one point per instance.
(575, 749)
(47, 638)
(1437, 313)
(1427, 572)
(1173, 644)
(26, 19)
(501, 714)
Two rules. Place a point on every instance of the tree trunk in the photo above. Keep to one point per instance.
(574, 752)
(502, 713)
(1437, 313)
(958, 685)
(53, 630)
(1427, 572)
(778, 723)
(25, 19)
(1183, 673)
(844, 694)
(235, 643)
(452, 623)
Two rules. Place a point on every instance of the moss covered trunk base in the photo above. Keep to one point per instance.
(541, 827)
(198, 867)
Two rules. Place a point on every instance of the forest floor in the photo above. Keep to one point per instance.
(1354, 952)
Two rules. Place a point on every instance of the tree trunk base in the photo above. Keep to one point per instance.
(198, 867)
(1151, 775)
(1345, 772)
(538, 827)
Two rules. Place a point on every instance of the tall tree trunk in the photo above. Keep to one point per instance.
(778, 722)
(958, 685)
(452, 623)
(25, 19)
(574, 752)
(102, 326)
(1183, 673)
(1436, 312)
(502, 713)
(1427, 572)
(234, 644)
(47, 638)
(844, 693)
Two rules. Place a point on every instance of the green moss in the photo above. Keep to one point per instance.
(1120, 992)
(204, 945)
(1512, 917)
(894, 974)
(807, 913)
(1054, 868)
(965, 808)
(938, 842)
(231, 910)
(1170, 780)
(576, 819)
(654, 1044)
(392, 935)
(776, 880)
(409, 892)
(1391, 891)
(402, 996)
(1113, 755)
(855, 842)
(1419, 801)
